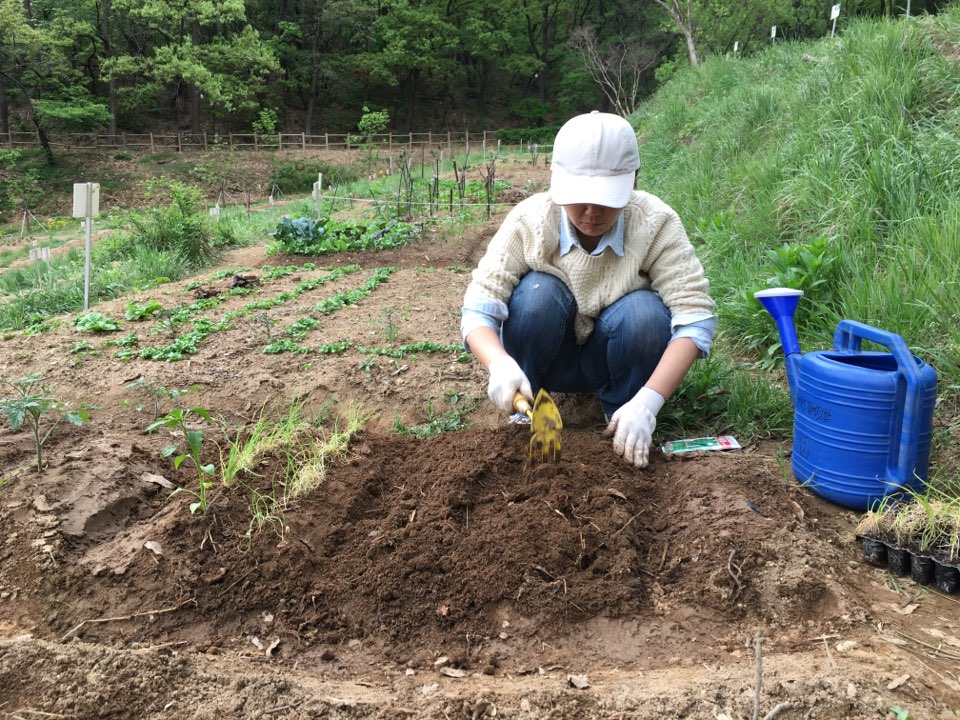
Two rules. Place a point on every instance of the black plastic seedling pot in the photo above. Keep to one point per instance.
(947, 577)
(875, 552)
(921, 569)
(898, 561)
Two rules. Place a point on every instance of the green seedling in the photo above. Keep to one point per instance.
(176, 420)
(285, 345)
(391, 328)
(42, 414)
(263, 323)
(170, 320)
(439, 422)
(159, 393)
(265, 508)
(901, 713)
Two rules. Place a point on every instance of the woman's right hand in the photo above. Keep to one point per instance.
(506, 378)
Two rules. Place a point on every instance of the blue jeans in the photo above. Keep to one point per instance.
(627, 342)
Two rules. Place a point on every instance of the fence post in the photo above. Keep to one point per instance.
(204, 140)
(410, 141)
(279, 141)
(390, 140)
(152, 149)
(303, 141)
(484, 143)
(179, 142)
(255, 145)
(326, 141)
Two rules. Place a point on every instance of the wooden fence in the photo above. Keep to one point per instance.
(187, 142)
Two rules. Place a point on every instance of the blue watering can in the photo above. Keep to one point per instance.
(862, 420)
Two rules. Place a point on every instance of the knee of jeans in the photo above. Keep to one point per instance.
(538, 291)
(640, 317)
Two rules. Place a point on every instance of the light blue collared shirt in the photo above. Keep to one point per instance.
(699, 327)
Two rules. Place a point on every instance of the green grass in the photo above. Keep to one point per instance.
(838, 176)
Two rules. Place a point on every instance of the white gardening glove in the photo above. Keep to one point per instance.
(633, 424)
(506, 378)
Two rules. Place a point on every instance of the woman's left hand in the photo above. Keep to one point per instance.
(633, 424)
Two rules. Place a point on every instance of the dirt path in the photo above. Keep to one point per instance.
(441, 578)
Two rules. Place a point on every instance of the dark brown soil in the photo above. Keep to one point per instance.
(440, 578)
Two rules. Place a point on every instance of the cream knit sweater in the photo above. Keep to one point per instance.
(657, 256)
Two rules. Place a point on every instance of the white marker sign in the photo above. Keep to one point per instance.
(835, 12)
(86, 200)
(773, 32)
(86, 204)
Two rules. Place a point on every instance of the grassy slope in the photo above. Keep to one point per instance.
(847, 151)
(854, 139)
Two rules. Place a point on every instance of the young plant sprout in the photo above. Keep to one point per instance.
(176, 420)
(40, 413)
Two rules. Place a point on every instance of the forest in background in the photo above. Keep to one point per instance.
(325, 65)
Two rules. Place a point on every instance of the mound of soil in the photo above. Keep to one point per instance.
(440, 578)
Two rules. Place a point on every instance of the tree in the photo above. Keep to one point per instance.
(200, 49)
(410, 46)
(35, 64)
(620, 70)
(682, 15)
(105, 16)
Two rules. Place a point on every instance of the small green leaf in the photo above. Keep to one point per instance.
(75, 418)
(202, 412)
(168, 451)
(195, 441)
(194, 506)
(207, 469)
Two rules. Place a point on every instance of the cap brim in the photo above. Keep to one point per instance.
(608, 190)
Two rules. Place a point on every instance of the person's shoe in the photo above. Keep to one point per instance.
(519, 418)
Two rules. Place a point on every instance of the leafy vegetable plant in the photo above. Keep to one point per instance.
(96, 322)
(136, 311)
(42, 414)
(176, 420)
(307, 236)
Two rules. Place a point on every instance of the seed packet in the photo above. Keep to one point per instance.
(721, 442)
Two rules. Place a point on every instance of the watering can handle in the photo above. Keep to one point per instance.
(848, 338)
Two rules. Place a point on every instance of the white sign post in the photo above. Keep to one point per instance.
(736, 46)
(773, 33)
(317, 188)
(86, 204)
(834, 14)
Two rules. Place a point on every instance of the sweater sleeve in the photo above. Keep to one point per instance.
(675, 272)
(504, 263)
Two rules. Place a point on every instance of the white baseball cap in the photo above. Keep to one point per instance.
(595, 160)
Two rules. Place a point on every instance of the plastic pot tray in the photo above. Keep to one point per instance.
(921, 568)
